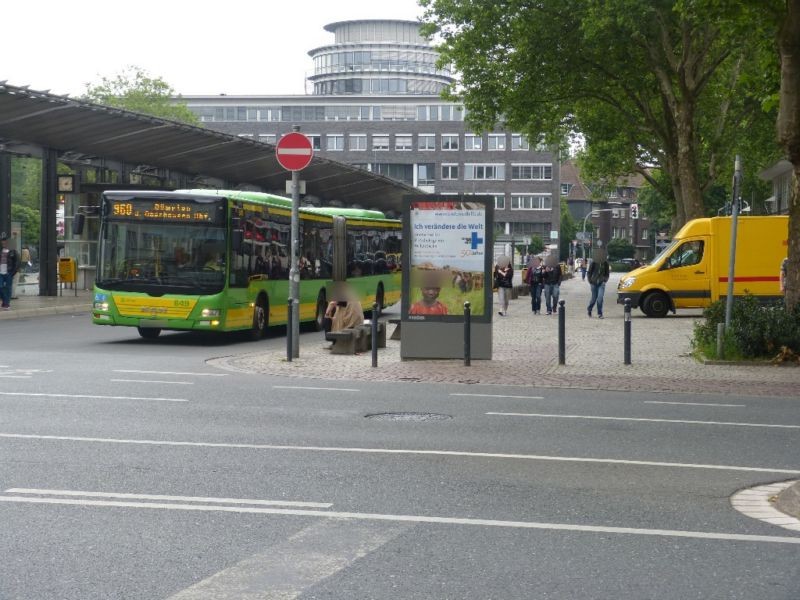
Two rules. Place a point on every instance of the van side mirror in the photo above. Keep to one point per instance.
(77, 223)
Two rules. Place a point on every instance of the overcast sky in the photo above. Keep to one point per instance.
(197, 46)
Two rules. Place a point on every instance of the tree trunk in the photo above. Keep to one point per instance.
(691, 196)
(789, 137)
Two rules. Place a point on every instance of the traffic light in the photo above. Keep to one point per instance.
(634, 211)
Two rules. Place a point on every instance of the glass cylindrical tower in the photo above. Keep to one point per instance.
(377, 57)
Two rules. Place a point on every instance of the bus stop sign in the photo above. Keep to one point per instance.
(294, 151)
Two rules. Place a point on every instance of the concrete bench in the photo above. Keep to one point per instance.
(396, 333)
(357, 339)
(346, 341)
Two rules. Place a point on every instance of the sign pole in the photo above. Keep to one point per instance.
(294, 153)
(294, 272)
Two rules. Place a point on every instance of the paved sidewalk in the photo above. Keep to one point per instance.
(28, 303)
(525, 352)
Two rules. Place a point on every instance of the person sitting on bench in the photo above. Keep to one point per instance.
(344, 310)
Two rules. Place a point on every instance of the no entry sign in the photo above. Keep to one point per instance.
(294, 151)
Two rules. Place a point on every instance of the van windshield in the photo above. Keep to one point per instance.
(667, 249)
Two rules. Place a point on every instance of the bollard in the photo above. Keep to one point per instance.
(467, 341)
(374, 324)
(627, 331)
(289, 331)
(562, 334)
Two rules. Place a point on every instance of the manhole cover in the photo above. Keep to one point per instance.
(408, 416)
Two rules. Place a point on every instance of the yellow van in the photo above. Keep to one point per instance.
(692, 272)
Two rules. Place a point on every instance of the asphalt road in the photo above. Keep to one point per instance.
(132, 469)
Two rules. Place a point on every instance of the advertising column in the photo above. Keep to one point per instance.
(446, 262)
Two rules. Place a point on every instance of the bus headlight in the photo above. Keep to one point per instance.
(626, 283)
(103, 306)
(210, 312)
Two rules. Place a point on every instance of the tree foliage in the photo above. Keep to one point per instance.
(619, 248)
(135, 90)
(673, 84)
(567, 232)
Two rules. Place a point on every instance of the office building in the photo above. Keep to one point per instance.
(375, 104)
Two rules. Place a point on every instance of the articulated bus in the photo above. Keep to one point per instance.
(219, 260)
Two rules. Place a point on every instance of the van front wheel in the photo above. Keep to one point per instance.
(656, 304)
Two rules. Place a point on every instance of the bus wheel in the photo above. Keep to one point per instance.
(149, 333)
(656, 304)
(322, 306)
(260, 320)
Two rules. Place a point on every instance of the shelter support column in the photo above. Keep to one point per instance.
(5, 192)
(48, 250)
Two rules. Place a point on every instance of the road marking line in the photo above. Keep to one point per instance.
(611, 461)
(301, 387)
(151, 381)
(501, 396)
(592, 417)
(412, 519)
(287, 569)
(170, 373)
(15, 376)
(46, 492)
(755, 503)
(692, 403)
(41, 395)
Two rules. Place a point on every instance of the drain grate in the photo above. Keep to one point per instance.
(408, 416)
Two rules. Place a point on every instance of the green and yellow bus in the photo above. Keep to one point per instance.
(200, 260)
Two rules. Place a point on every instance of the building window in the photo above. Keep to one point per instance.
(267, 138)
(532, 172)
(644, 234)
(497, 141)
(335, 142)
(565, 188)
(380, 142)
(358, 141)
(483, 172)
(449, 141)
(519, 142)
(316, 141)
(403, 142)
(426, 173)
(426, 141)
(449, 171)
(531, 202)
(619, 233)
(499, 201)
(472, 141)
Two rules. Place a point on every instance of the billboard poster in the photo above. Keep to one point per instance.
(448, 258)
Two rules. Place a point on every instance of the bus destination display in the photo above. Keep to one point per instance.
(175, 212)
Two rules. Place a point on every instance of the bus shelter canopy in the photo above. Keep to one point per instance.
(98, 131)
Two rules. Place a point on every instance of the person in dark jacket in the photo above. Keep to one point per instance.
(9, 263)
(534, 280)
(551, 280)
(599, 271)
(503, 279)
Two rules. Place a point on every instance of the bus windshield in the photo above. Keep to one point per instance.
(162, 258)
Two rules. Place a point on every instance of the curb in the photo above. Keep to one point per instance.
(789, 501)
(758, 503)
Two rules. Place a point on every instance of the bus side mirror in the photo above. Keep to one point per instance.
(237, 238)
(77, 223)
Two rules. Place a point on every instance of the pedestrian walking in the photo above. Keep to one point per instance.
(551, 280)
(583, 269)
(599, 272)
(9, 263)
(534, 281)
(503, 281)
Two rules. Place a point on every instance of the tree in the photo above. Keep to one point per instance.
(620, 248)
(649, 83)
(135, 90)
(788, 125)
(568, 230)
